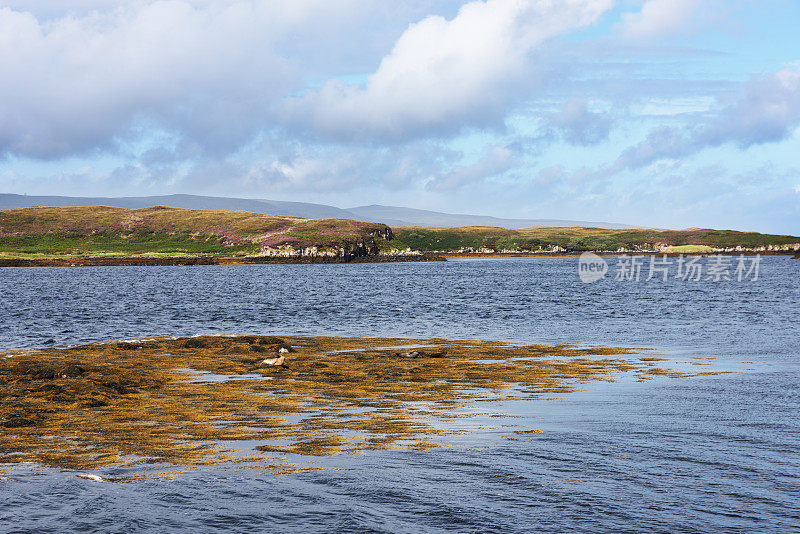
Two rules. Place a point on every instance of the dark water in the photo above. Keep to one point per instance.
(707, 454)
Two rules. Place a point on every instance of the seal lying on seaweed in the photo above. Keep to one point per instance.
(278, 360)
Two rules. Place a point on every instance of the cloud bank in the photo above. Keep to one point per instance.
(216, 74)
(443, 75)
(768, 110)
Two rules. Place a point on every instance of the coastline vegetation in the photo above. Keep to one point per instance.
(581, 239)
(161, 230)
(122, 244)
(85, 233)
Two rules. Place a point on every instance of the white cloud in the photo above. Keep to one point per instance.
(214, 74)
(660, 18)
(444, 74)
(666, 107)
(496, 161)
(578, 125)
(211, 71)
(280, 165)
(767, 110)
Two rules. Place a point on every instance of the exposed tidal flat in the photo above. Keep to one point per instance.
(176, 401)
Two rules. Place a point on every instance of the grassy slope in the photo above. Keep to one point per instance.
(160, 230)
(164, 230)
(577, 238)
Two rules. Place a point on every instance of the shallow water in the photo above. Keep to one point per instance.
(704, 454)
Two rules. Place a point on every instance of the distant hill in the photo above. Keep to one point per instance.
(267, 207)
(397, 216)
(391, 215)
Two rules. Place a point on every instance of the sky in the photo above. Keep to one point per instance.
(657, 113)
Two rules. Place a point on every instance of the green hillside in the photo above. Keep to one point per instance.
(172, 231)
(578, 239)
(165, 231)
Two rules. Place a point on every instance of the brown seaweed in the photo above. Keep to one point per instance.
(183, 401)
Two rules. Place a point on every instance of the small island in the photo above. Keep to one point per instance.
(162, 235)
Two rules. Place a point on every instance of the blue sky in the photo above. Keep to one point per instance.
(660, 113)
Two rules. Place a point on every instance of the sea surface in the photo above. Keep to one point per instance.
(704, 454)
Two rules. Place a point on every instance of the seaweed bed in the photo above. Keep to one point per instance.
(187, 401)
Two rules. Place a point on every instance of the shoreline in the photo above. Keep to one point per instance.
(175, 261)
(454, 255)
(144, 261)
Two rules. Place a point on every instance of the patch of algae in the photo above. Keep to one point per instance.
(172, 400)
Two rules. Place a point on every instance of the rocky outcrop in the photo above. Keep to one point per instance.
(328, 239)
(354, 250)
(383, 233)
(368, 245)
